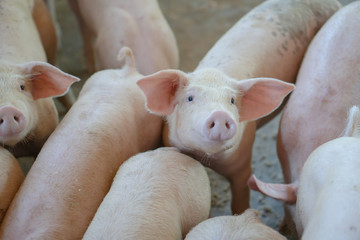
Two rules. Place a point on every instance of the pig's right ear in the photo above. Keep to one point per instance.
(160, 89)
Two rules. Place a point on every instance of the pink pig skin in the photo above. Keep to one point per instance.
(328, 195)
(27, 112)
(11, 177)
(158, 194)
(108, 25)
(74, 170)
(269, 41)
(327, 86)
(247, 225)
(46, 28)
(27, 82)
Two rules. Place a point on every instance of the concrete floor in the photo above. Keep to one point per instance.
(197, 25)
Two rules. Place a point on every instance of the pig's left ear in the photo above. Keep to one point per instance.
(261, 96)
(160, 89)
(45, 80)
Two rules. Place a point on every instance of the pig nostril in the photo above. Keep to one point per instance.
(212, 125)
(227, 125)
(1, 121)
(16, 119)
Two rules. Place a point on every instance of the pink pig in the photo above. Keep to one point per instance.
(74, 170)
(327, 86)
(211, 113)
(248, 225)
(107, 25)
(27, 111)
(158, 194)
(328, 196)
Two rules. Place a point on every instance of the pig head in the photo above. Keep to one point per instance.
(27, 112)
(207, 113)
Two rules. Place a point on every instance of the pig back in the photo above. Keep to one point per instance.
(327, 85)
(18, 32)
(158, 194)
(327, 204)
(124, 101)
(270, 41)
(143, 28)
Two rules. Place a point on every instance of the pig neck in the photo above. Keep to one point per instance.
(14, 45)
(235, 166)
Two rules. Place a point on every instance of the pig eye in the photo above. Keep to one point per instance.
(22, 87)
(232, 100)
(190, 98)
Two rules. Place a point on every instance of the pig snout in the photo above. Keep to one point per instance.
(219, 126)
(12, 121)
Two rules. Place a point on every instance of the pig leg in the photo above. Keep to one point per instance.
(87, 36)
(239, 189)
(238, 180)
(11, 177)
(46, 29)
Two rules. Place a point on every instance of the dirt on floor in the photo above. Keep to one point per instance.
(197, 25)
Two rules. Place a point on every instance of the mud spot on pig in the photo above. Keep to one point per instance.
(353, 228)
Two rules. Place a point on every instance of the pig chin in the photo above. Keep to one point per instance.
(202, 147)
(12, 140)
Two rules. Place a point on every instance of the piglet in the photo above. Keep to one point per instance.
(74, 170)
(328, 196)
(248, 225)
(107, 25)
(211, 112)
(158, 194)
(328, 84)
(27, 111)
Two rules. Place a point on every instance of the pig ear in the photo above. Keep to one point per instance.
(261, 96)
(160, 89)
(283, 192)
(46, 80)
